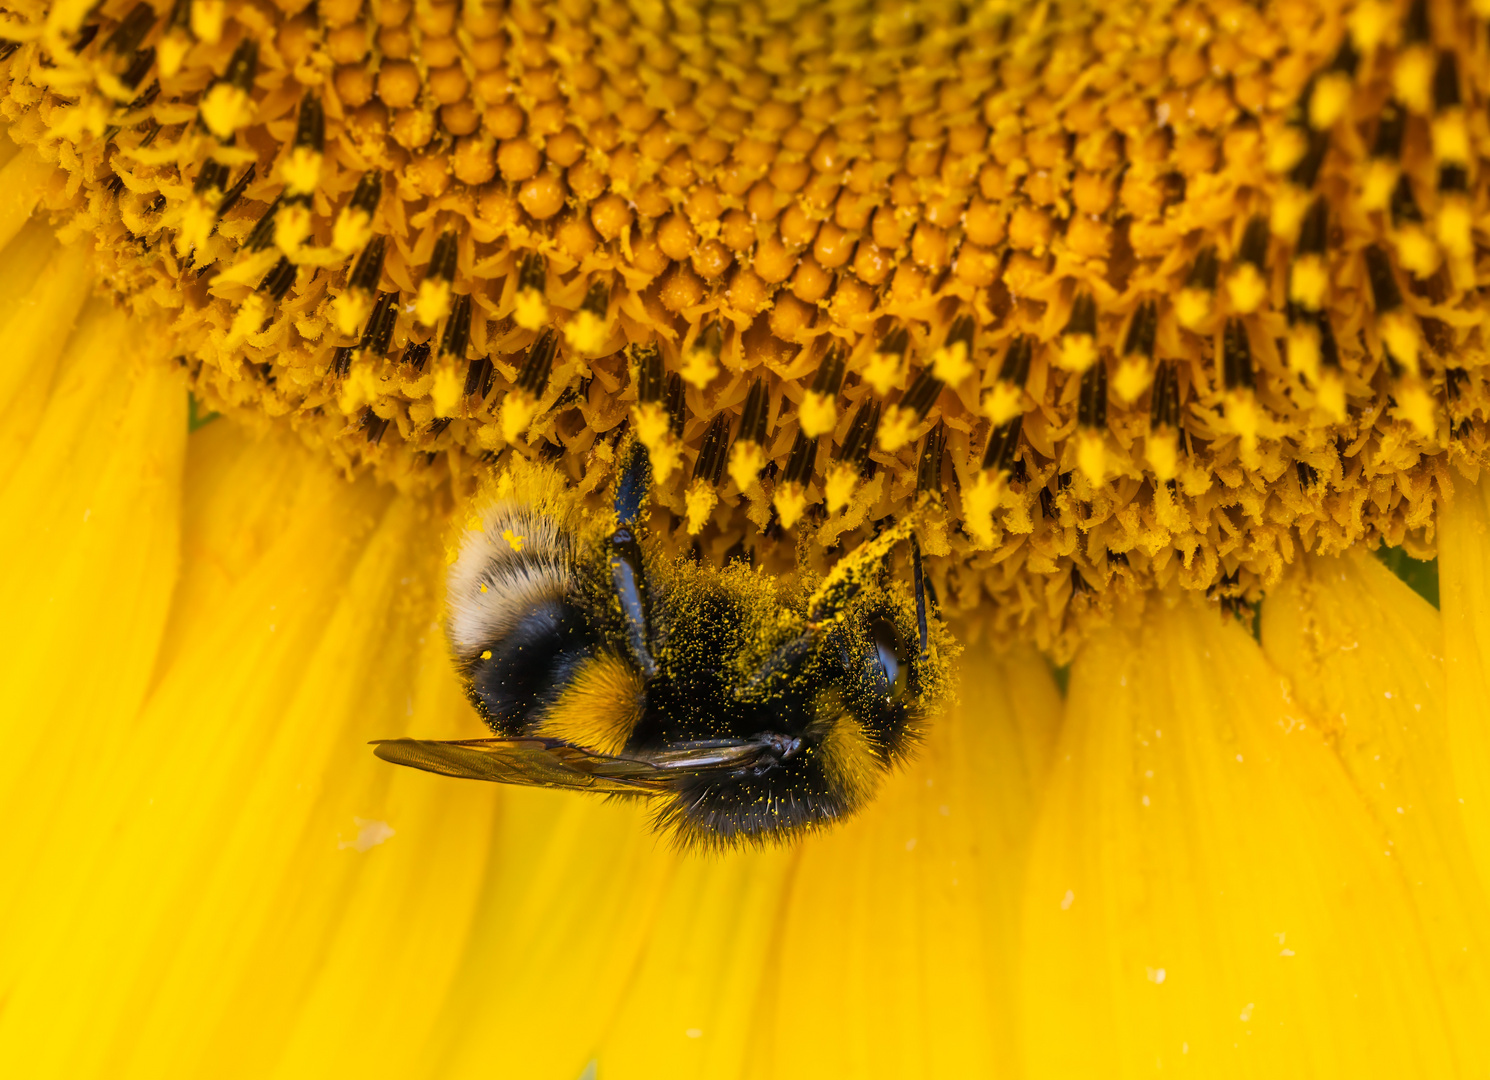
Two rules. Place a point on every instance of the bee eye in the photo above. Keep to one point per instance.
(886, 665)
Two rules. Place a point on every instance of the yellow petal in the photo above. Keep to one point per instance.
(237, 885)
(87, 569)
(565, 919)
(896, 937)
(1464, 590)
(43, 286)
(1207, 888)
(1364, 655)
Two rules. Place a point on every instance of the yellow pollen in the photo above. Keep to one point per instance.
(1246, 289)
(586, 333)
(1003, 403)
(225, 109)
(530, 310)
(699, 504)
(301, 171)
(699, 368)
(1192, 307)
(883, 372)
(952, 363)
(432, 302)
(1412, 78)
(1077, 352)
(1329, 101)
(518, 411)
(746, 460)
(514, 541)
(840, 483)
(898, 428)
(791, 502)
(817, 414)
(352, 232)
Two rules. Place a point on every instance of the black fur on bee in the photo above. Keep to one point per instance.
(747, 709)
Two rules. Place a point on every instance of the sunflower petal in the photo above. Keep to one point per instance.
(572, 902)
(1363, 652)
(1464, 591)
(227, 882)
(88, 549)
(1207, 887)
(898, 931)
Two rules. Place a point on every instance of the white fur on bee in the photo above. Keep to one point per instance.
(522, 554)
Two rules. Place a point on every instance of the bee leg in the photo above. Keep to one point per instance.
(627, 568)
(918, 578)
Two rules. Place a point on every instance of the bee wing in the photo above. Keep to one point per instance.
(553, 763)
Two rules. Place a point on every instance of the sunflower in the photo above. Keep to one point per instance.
(1161, 317)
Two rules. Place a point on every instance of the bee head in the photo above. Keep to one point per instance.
(840, 703)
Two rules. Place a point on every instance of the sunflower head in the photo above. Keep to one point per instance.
(1127, 297)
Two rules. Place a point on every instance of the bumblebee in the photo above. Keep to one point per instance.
(748, 709)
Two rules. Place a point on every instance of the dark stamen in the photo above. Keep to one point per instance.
(279, 279)
(131, 31)
(929, 466)
(712, 455)
(677, 404)
(597, 299)
(801, 461)
(1389, 132)
(756, 415)
(368, 269)
(416, 355)
(1083, 318)
(1091, 408)
(533, 377)
(894, 343)
(1383, 282)
(1203, 270)
(1404, 206)
(235, 193)
(925, 389)
(1016, 366)
(1002, 444)
(476, 374)
(650, 383)
(861, 432)
(442, 259)
(1164, 407)
(1315, 228)
(243, 65)
(1307, 170)
(213, 175)
(532, 273)
(310, 127)
(829, 378)
(1329, 352)
(139, 66)
(1254, 247)
(1236, 356)
(368, 192)
(457, 328)
(263, 231)
(379, 331)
